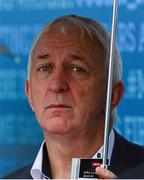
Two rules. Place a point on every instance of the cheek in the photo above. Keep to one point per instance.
(83, 99)
(79, 92)
(37, 94)
(91, 96)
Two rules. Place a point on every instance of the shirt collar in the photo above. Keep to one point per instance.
(99, 153)
(36, 170)
(41, 167)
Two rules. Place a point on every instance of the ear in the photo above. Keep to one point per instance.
(28, 94)
(117, 94)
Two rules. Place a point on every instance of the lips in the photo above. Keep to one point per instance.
(57, 106)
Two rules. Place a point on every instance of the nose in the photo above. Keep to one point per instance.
(59, 82)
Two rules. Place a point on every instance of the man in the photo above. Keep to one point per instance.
(66, 88)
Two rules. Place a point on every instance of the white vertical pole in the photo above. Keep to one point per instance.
(110, 84)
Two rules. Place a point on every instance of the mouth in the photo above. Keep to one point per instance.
(58, 106)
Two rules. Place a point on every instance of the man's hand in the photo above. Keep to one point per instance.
(104, 174)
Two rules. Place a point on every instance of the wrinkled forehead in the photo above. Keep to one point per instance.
(62, 32)
(63, 29)
(67, 30)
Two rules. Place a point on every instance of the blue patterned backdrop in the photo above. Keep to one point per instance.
(20, 20)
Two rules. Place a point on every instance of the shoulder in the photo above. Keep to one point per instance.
(125, 155)
(134, 173)
(22, 173)
(128, 147)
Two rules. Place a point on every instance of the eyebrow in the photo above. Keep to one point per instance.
(43, 56)
(79, 58)
(72, 56)
(76, 57)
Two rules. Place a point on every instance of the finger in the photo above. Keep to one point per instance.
(105, 174)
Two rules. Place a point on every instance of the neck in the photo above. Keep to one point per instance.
(62, 148)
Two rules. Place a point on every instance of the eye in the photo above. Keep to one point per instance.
(78, 69)
(45, 69)
(79, 72)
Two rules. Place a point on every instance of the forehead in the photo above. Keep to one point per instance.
(65, 35)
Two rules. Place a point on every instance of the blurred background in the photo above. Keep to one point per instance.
(20, 20)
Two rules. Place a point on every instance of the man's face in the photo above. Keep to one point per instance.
(67, 84)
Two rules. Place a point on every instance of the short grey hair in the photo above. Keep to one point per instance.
(96, 32)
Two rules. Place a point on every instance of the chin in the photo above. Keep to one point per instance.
(58, 126)
(58, 130)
